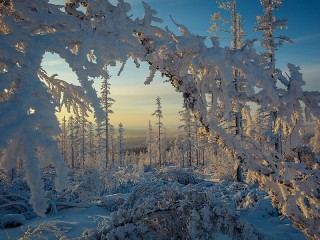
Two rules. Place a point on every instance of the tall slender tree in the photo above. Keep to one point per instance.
(121, 150)
(71, 137)
(234, 21)
(90, 143)
(150, 142)
(112, 142)
(188, 140)
(80, 136)
(106, 102)
(82, 124)
(158, 114)
(64, 137)
(268, 24)
(99, 139)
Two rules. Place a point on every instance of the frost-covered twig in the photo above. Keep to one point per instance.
(40, 231)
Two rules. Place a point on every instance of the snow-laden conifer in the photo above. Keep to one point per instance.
(158, 114)
(106, 102)
(150, 143)
(121, 146)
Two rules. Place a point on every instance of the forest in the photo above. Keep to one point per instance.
(244, 163)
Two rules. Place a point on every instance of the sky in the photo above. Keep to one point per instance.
(135, 102)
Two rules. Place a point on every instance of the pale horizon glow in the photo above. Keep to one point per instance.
(135, 101)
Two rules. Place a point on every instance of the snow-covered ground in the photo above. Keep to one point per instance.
(167, 203)
(72, 222)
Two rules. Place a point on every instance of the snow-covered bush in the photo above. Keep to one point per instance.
(90, 188)
(12, 220)
(122, 188)
(221, 163)
(44, 229)
(14, 203)
(85, 188)
(179, 175)
(252, 198)
(112, 202)
(169, 210)
(121, 179)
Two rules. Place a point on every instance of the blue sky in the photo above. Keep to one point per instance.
(136, 102)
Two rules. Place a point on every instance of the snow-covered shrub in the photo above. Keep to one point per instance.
(14, 203)
(113, 202)
(221, 164)
(252, 199)
(18, 186)
(88, 188)
(121, 179)
(169, 210)
(44, 230)
(177, 175)
(120, 188)
(11, 220)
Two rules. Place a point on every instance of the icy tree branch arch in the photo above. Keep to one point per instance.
(91, 40)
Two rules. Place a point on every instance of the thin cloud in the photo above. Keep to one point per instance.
(307, 38)
(311, 68)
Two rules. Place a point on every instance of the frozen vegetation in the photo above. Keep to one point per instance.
(231, 173)
(152, 203)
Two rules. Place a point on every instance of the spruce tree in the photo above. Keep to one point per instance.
(121, 150)
(158, 114)
(236, 30)
(268, 24)
(106, 102)
(71, 138)
(112, 142)
(150, 142)
(188, 140)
